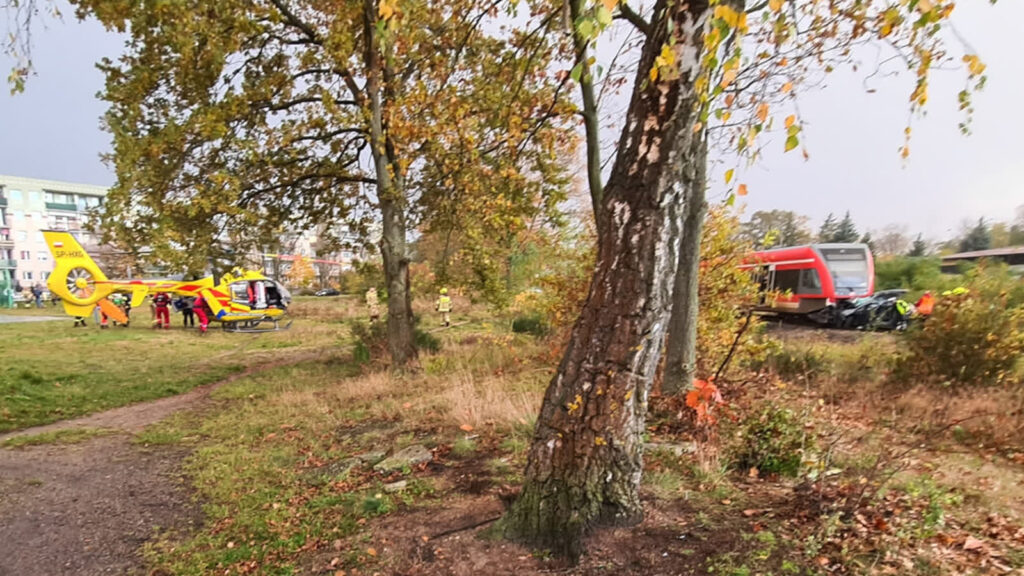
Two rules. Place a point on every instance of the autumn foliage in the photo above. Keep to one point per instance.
(971, 339)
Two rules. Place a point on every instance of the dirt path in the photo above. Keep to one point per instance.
(85, 509)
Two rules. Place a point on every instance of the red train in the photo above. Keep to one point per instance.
(813, 280)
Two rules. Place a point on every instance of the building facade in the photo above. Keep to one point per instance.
(27, 207)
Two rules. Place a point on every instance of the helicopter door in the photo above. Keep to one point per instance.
(259, 295)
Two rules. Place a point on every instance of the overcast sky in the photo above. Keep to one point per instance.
(52, 131)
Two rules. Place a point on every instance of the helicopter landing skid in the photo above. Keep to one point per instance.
(255, 326)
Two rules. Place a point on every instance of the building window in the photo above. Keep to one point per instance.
(88, 202)
(16, 196)
(45, 276)
(33, 196)
(26, 255)
(60, 198)
(26, 275)
(42, 256)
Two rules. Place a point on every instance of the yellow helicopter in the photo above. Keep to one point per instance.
(243, 300)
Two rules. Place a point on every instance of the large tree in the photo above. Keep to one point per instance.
(771, 228)
(244, 116)
(585, 463)
(979, 237)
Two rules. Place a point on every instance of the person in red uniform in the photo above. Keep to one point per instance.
(199, 307)
(163, 314)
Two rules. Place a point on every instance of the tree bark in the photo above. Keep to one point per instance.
(585, 462)
(681, 350)
(394, 247)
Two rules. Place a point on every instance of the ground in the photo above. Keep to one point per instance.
(244, 454)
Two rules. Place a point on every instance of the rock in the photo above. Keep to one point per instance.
(395, 486)
(372, 457)
(404, 458)
(674, 449)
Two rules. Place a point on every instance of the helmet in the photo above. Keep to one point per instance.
(444, 290)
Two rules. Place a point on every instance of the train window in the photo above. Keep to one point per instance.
(810, 282)
(849, 268)
(787, 281)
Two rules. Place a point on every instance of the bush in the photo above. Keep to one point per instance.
(371, 340)
(970, 339)
(534, 325)
(772, 441)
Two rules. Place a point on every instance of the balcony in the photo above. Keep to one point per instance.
(65, 206)
(7, 263)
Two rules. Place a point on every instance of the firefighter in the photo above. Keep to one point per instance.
(444, 306)
(926, 304)
(372, 304)
(162, 303)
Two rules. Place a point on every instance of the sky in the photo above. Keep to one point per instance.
(53, 131)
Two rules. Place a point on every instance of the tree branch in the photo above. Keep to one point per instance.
(626, 13)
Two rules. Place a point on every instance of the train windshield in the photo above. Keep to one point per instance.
(849, 268)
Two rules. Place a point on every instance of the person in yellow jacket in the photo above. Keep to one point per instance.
(444, 306)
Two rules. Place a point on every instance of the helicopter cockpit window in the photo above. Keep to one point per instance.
(240, 292)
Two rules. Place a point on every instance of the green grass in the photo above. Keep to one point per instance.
(52, 371)
(67, 436)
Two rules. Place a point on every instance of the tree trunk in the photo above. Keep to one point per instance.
(585, 463)
(681, 351)
(591, 123)
(391, 197)
(394, 249)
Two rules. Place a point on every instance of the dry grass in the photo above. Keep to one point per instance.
(500, 401)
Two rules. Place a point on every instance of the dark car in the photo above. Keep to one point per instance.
(328, 292)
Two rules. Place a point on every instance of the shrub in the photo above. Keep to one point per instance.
(772, 441)
(371, 340)
(794, 362)
(533, 324)
(970, 339)
(725, 292)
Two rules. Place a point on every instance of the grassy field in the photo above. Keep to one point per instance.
(52, 371)
(908, 481)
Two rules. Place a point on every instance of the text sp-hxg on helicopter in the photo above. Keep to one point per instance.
(243, 300)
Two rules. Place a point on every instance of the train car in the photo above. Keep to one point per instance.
(813, 280)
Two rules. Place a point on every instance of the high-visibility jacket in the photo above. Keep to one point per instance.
(444, 304)
(926, 305)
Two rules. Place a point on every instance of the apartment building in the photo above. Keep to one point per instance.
(27, 207)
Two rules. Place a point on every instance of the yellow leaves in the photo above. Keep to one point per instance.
(775, 5)
(974, 64)
(790, 120)
(728, 175)
(610, 4)
(664, 64)
(599, 441)
(466, 427)
(729, 100)
(919, 96)
(787, 87)
(371, 551)
(575, 404)
(742, 190)
(762, 112)
(728, 77)
(386, 10)
(925, 6)
(730, 17)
